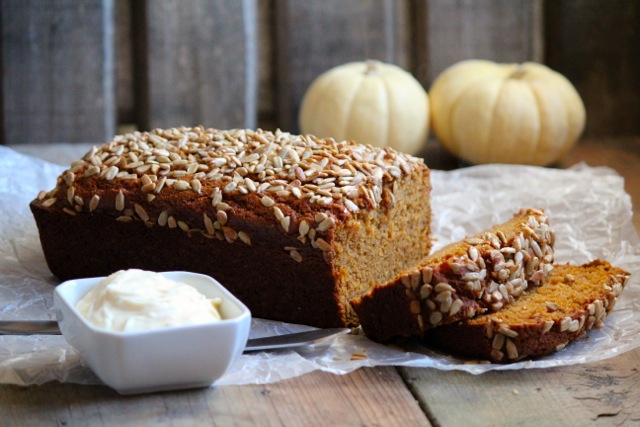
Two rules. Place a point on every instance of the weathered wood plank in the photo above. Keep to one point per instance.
(374, 396)
(596, 45)
(266, 66)
(312, 37)
(446, 32)
(125, 65)
(499, 30)
(197, 63)
(57, 71)
(603, 393)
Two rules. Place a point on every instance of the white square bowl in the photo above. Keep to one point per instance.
(169, 358)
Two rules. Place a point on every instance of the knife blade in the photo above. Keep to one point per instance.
(296, 339)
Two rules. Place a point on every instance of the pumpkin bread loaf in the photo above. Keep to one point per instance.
(294, 226)
(545, 319)
(479, 274)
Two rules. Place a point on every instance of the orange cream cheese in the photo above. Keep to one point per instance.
(138, 300)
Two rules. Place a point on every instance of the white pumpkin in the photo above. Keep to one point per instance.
(484, 112)
(369, 102)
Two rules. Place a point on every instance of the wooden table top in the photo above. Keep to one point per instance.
(602, 393)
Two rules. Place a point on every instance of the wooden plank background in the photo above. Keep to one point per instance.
(57, 76)
(85, 70)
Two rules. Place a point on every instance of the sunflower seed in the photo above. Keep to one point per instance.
(303, 228)
(181, 185)
(141, 212)
(435, 318)
(547, 325)
(512, 350)
(296, 256)
(456, 306)
(120, 201)
(425, 291)
(322, 244)
(267, 201)
(244, 237)
(498, 341)
(208, 224)
(497, 355)
(277, 212)
(196, 185)
(93, 203)
(473, 253)
(505, 330)
(326, 224)
(285, 223)
(222, 217)
(111, 173)
(162, 218)
(427, 274)
(49, 202)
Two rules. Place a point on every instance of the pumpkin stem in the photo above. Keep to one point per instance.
(372, 66)
(518, 73)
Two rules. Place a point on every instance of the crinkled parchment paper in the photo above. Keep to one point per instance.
(588, 208)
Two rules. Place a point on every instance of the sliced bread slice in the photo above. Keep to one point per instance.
(479, 274)
(545, 319)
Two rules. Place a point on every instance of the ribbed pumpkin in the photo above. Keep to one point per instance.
(485, 112)
(370, 102)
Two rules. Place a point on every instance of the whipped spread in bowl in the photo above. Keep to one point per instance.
(138, 300)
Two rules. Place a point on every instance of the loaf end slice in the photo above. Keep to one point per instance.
(480, 274)
(544, 320)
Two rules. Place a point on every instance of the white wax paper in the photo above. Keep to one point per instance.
(588, 208)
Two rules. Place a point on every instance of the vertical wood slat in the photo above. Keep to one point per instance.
(596, 45)
(57, 71)
(124, 64)
(198, 63)
(266, 103)
(313, 36)
(446, 32)
(498, 30)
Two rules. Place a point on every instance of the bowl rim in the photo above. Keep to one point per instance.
(62, 290)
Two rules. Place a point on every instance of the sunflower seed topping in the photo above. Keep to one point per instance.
(326, 224)
(244, 237)
(303, 228)
(120, 201)
(181, 185)
(241, 164)
(222, 217)
(267, 201)
(565, 324)
(141, 212)
(512, 350)
(208, 224)
(93, 203)
(49, 202)
(323, 244)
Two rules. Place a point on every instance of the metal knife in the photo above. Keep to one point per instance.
(297, 339)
